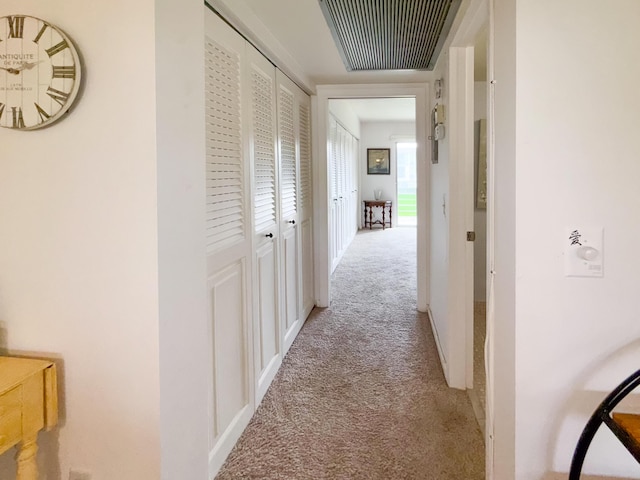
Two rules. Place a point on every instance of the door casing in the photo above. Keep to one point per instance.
(322, 194)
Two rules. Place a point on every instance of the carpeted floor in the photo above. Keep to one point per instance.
(479, 338)
(361, 394)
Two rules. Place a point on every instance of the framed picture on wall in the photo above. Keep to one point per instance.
(378, 161)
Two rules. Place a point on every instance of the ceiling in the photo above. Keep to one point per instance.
(295, 34)
(389, 34)
(382, 109)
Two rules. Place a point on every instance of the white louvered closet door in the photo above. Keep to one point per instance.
(263, 148)
(288, 155)
(229, 241)
(305, 209)
(333, 169)
(355, 204)
(343, 162)
(342, 157)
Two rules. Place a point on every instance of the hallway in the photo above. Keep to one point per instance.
(361, 394)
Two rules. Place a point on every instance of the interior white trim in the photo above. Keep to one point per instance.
(488, 348)
(419, 91)
(478, 14)
(443, 359)
(461, 142)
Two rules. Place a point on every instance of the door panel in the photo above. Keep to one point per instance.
(289, 160)
(306, 255)
(231, 376)
(305, 215)
(290, 277)
(263, 149)
(267, 308)
(229, 241)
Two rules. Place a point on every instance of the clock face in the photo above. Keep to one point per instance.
(39, 73)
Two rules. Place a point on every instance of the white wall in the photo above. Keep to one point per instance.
(480, 215)
(88, 244)
(345, 115)
(556, 166)
(380, 135)
(439, 191)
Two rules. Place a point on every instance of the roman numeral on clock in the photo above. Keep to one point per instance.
(57, 48)
(18, 119)
(60, 97)
(16, 27)
(43, 115)
(64, 72)
(1, 109)
(40, 33)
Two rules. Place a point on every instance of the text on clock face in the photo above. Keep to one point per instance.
(17, 56)
(18, 87)
(39, 72)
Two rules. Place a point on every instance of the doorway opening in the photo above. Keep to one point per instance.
(406, 181)
(368, 183)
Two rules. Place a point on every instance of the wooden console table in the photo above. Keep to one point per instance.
(369, 205)
(28, 403)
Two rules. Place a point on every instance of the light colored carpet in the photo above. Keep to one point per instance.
(361, 394)
(479, 337)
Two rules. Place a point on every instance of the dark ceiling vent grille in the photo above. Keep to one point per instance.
(389, 34)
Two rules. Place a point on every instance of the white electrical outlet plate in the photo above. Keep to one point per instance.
(583, 252)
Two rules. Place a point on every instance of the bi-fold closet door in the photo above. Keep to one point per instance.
(259, 229)
(296, 233)
(343, 163)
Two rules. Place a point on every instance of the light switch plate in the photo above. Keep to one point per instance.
(583, 252)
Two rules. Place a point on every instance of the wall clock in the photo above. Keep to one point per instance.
(39, 73)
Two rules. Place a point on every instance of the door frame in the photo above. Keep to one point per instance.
(322, 194)
(462, 192)
(461, 84)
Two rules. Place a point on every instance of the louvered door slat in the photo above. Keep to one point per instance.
(216, 214)
(224, 163)
(264, 173)
(218, 200)
(263, 149)
(305, 156)
(333, 142)
(288, 186)
(222, 179)
(222, 190)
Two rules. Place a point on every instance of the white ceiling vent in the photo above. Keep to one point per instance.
(389, 34)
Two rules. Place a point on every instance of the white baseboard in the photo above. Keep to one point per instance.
(443, 360)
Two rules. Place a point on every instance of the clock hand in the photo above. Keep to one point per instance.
(28, 65)
(13, 71)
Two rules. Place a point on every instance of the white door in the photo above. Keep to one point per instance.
(262, 146)
(229, 239)
(289, 166)
(341, 162)
(305, 209)
(333, 166)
